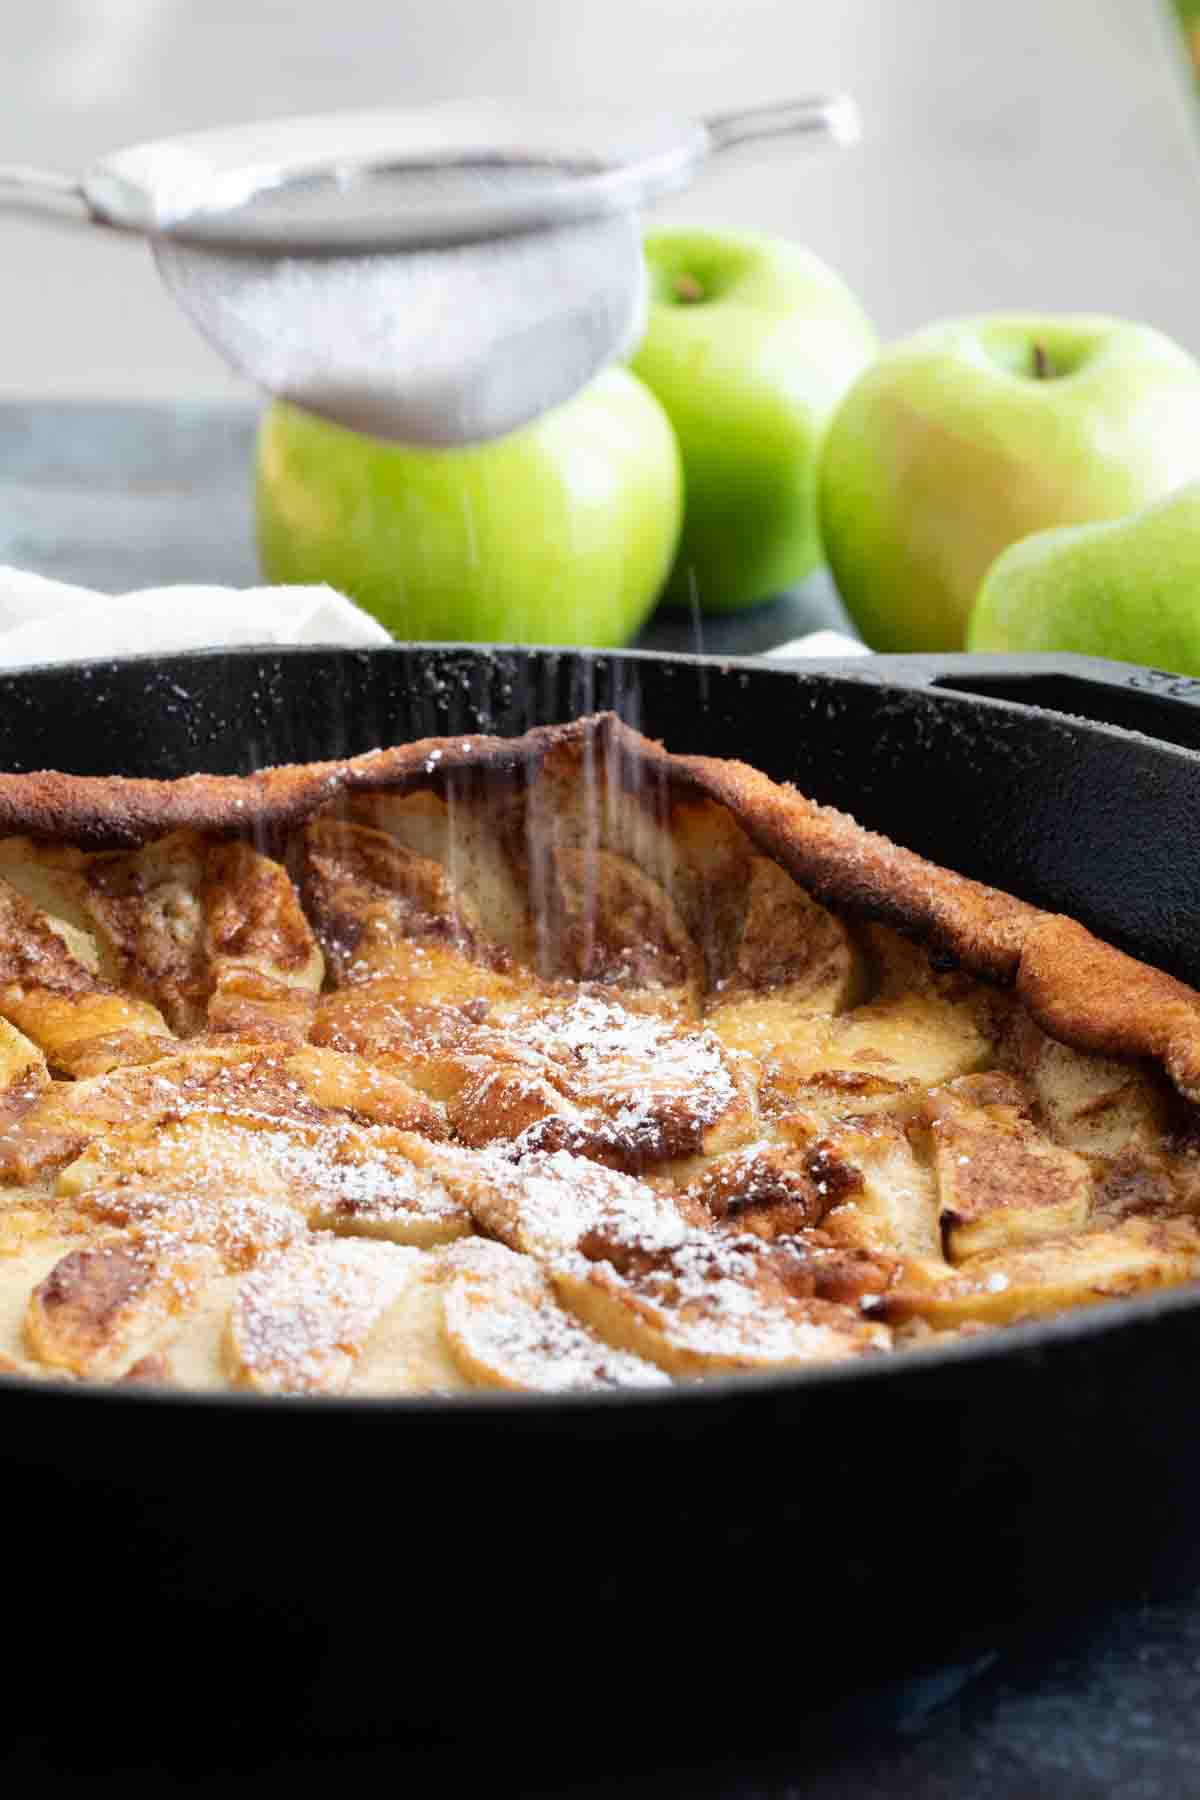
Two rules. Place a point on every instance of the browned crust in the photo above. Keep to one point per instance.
(1081, 991)
(116, 812)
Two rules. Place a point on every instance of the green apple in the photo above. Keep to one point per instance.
(1129, 589)
(972, 434)
(561, 533)
(750, 343)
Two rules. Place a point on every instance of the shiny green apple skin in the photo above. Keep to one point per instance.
(1128, 589)
(953, 445)
(561, 533)
(750, 343)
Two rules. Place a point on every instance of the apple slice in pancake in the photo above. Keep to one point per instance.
(488, 1082)
(998, 1287)
(692, 850)
(622, 1258)
(211, 931)
(27, 1256)
(407, 1350)
(361, 1089)
(1094, 1104)
(194, 1358)
(811, 1031)
(259, 1084)
(767, 1188)
(301, 1321)
(382, 910)
(704, 1305)
(591, 1071)
(208, 931)
(228, 1219)
(18, 1365)
(393, 1196)
(176, 1154)
(242, 1224)
(23, 1074)
(501, 1098)
(474, 835)
(506, 1328)
(33, 1237)
(1000, 1182)
(145, 904)
(53, 879)
(648, 1088)
(663, 1088)
(332, 1175)
(571, 1068)
(82, 1023)
(914, 1040)
(69, 1115)
(29, 1218)
(414, 970)
(791, 956)
(102, 1307)
(604, 921)
(885, 1198)
(227, 1210)
(265, 965)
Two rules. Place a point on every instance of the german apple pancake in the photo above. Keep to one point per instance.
(554, 1063)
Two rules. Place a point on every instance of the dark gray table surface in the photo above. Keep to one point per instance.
(1086, 1714)
(125, 497)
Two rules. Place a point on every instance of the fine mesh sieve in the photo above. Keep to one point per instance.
(437, 275)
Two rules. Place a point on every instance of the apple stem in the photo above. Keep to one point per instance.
(687, 288)
(1041, 363)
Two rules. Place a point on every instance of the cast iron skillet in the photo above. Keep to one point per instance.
(753, 1545)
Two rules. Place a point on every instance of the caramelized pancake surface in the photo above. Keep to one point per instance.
(556, 1064)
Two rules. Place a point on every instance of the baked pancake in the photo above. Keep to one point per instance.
(556, 1063)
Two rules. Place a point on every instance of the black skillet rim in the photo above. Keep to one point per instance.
(923, 672)
(1008, 1341)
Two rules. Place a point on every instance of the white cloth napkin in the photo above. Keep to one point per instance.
(44, 621)
(821, 643)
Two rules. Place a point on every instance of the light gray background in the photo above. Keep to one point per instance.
(1019, 153)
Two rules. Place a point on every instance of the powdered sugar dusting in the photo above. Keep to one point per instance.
(343, 1172)
(546, 1201)
(300, 1321)
(716, 1301)
(503, 1314)
(651, 1087)
(713, 1298)
(240, 1227)
(611, 1045)
(259, 1128)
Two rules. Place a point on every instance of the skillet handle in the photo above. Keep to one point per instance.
(1151, 701)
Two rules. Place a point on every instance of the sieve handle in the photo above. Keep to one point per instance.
(834, 118)
(44, 191)
(130, 190)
